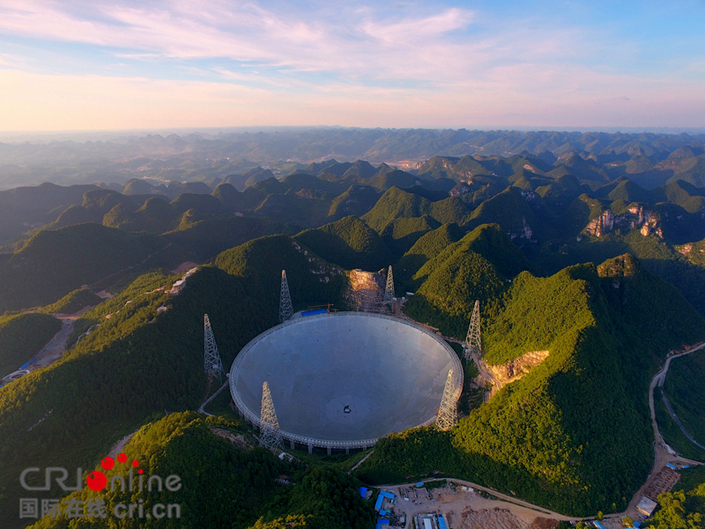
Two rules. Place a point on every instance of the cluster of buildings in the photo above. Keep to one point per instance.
(384, 506)
(430, 521)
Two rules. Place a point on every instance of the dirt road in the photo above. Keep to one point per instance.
(57, 345)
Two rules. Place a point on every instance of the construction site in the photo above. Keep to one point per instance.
(449, 504)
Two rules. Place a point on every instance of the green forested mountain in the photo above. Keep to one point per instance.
(686, 394)
(223, 485)
(393, 204)
(200, 240)
(23, 208)
(349, 243)
(357, 200)
(127, 370)
(478, 266)
(543, 436)
(261, 261)
(73, 302)
(53, 263)
(426, 247)
(403, 232)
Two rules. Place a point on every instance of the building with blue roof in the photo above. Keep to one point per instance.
(380, 499)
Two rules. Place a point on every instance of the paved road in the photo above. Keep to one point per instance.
(221, 388)
(678, 421)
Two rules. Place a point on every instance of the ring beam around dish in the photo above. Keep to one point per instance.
(344, 380)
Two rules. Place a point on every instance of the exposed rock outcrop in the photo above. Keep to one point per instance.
(635, 217)
(517, 368)
(366, 290)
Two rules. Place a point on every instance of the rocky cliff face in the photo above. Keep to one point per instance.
(635, 217)
(517, 368)
(366, 290)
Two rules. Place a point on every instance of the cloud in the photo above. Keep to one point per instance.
(308, 64)
(12, 60)
(415, 30)
(426, 45)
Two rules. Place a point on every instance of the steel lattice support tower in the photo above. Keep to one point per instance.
(473, 341)
(212, 363)
(269, 435)
(389, 290)
(448, 411)
(286, 309)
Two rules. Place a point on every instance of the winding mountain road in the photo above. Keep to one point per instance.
(673, 415)
(662, 452)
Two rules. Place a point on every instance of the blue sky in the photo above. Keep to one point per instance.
(155, 64)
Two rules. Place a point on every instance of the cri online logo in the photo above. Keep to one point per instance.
(97, 481)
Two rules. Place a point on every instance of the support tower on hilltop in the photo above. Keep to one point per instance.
(286, 310)
(473, 341)
(448, 411)
(389, 290)
(212, 363)
(269, 434)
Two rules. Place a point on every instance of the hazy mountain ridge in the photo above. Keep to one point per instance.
(206, 157)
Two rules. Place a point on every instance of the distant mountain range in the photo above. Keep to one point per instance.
(202, 157)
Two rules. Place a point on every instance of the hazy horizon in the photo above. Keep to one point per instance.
(13, 137)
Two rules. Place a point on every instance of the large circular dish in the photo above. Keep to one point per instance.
(343, 380)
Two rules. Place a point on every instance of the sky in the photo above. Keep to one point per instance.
(152, 64)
